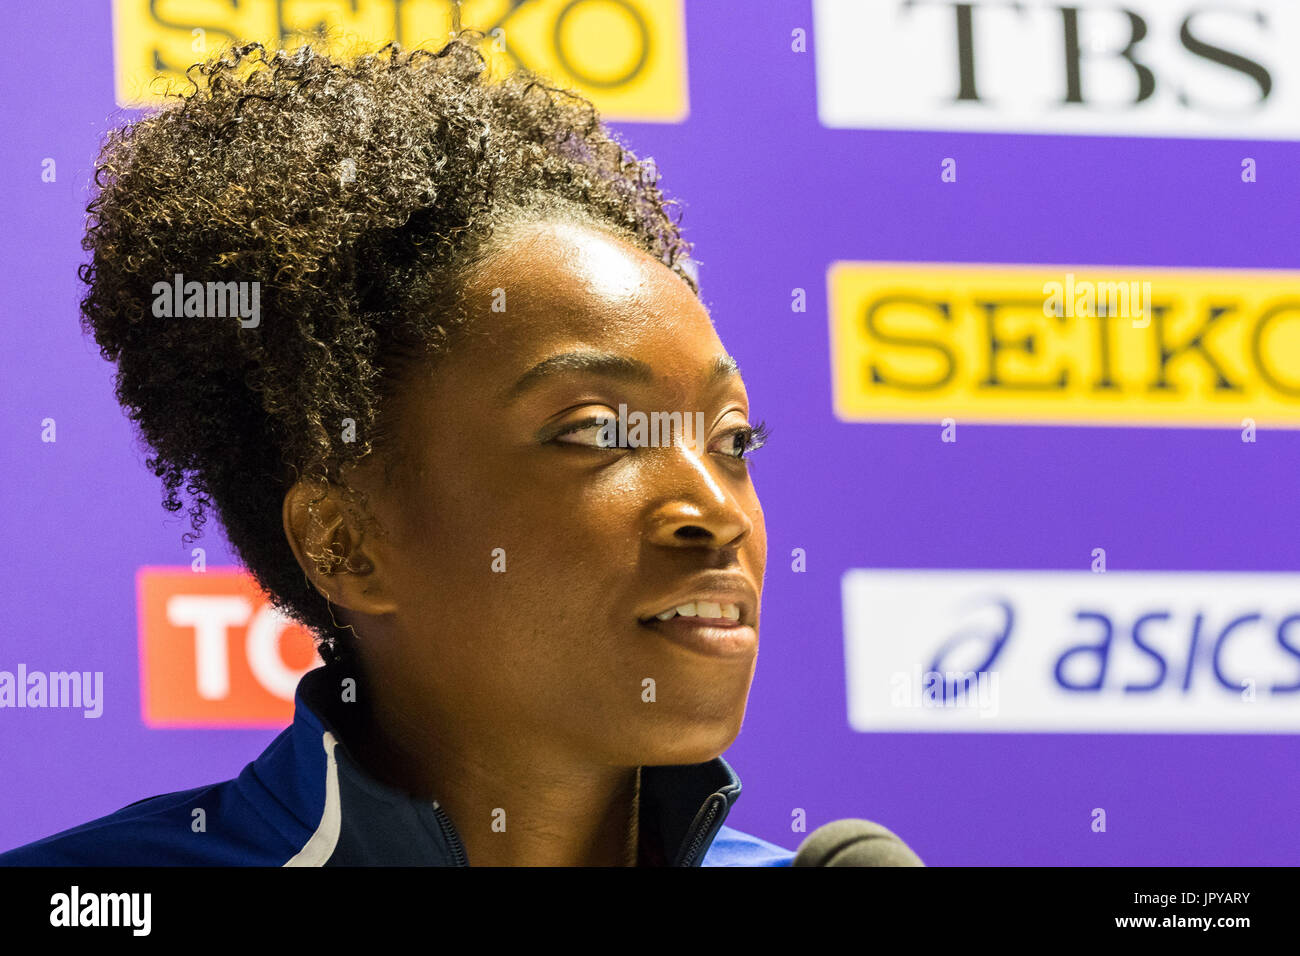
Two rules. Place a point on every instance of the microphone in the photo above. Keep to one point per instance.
(854, 843)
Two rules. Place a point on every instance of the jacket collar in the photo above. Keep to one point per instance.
(681, 807)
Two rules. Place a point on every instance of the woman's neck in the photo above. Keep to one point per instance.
(513, 800)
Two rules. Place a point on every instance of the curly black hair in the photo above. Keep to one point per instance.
(360, 193)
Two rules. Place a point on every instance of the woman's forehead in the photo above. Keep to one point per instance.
(560, 285)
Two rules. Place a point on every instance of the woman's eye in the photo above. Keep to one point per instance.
(740, 442)
(598, 431)
(601, 431)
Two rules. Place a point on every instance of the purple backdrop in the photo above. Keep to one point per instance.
(771, 199)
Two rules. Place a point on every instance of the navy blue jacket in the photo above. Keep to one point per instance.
(306, 802)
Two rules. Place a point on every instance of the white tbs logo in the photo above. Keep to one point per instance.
(1093, 67)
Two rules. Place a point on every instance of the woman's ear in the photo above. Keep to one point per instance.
(325, 535)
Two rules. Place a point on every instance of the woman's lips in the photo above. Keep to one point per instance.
(712, 636)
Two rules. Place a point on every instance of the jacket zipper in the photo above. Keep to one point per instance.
(715, 805)
(449, 831)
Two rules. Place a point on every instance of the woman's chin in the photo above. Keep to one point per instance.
(696, 745)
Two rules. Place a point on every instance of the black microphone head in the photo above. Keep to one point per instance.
(854, 843)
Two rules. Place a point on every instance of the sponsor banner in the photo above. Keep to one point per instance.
(626, 56)
(1083, 345)
(1159, 68)
(214, 652)
(1072, 651)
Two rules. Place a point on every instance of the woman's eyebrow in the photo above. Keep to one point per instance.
(610, 365)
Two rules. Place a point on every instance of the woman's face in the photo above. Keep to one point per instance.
(521, 562)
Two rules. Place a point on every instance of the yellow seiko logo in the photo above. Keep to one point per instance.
(1064, 344)
(627, 56)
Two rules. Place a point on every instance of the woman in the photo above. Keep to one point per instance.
(539, 631)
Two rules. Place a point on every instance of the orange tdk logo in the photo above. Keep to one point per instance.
(214, 652)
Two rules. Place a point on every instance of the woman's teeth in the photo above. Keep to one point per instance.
(702, 609)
